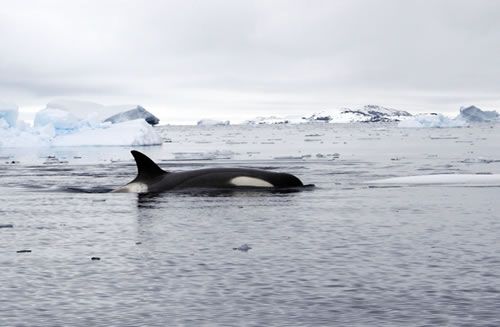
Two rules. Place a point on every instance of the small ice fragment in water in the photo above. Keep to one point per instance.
(24, 251)
(6, 226)
(245, 247)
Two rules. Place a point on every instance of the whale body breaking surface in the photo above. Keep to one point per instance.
(152, 179)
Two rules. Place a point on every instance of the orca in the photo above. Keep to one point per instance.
(152, 179)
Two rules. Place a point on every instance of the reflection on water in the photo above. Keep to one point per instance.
(343, 253)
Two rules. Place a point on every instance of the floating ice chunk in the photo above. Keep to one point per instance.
(431, 121)
(442, 179)
(213, 122)
(473, 114)
(243, 248)
(133, 132)
(62, 121)
(8, 113)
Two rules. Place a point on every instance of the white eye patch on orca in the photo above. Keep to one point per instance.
(250, 182)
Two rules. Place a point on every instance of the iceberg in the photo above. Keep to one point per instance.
(94, 113)
(24, 136)
(473, 114)
(8, 114)
(432, 120)
(213, 122)
(133, 132)
(62, 121)
(78, 124)
(130, 133)
(131, 112)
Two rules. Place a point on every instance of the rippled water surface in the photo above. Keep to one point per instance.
(344, 253)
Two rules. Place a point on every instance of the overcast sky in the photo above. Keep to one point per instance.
(225, 59)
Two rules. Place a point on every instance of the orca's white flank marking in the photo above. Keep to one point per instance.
(250, 181)
(133, 188)
(137, 187)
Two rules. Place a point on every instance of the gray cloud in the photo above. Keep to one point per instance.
(242, 57)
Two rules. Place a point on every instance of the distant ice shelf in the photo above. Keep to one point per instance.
(366, 114)
(212, 122)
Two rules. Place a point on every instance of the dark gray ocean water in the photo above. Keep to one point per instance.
(343, 254)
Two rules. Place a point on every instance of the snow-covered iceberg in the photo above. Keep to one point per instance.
(77, 125)
(432, 120)
(131, 112)
(467, 116)
(213, 122)
(8, 114)
(94, 113)
(473, 114)
(62, 121)
(24, 135)
(132, 132)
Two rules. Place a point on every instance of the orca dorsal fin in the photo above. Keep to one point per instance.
(146, 168)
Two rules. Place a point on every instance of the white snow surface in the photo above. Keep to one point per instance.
(431, 121)
(442, 179)
(8, 114)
